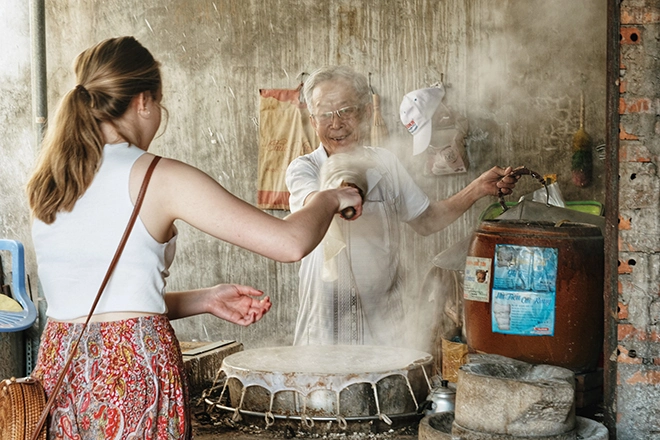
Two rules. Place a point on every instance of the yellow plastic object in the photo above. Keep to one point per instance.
(9, 304)
(587, 206)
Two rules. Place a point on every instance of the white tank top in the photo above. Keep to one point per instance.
(74, 252)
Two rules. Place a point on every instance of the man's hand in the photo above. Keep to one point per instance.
(496, 179)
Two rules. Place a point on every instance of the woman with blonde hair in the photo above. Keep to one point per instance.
(127, 379)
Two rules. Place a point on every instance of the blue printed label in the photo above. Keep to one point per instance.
(524, 290)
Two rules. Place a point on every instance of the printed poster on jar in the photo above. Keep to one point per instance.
(524, 290)
(477, 279)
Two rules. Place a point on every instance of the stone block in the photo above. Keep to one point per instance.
(202, 361)
(506, 397)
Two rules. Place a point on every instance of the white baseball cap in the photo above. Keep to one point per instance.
(416, 112)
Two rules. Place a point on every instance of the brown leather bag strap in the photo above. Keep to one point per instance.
(113, 263)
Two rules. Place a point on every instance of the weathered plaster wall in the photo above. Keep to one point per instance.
(17, 144)
(515, 69)
(638, 354)
(16, 152)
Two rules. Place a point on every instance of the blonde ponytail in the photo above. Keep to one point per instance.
(109, 75)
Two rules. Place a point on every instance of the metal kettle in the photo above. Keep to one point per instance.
(441, 399)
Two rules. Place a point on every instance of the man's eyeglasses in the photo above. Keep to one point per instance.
(343, 113)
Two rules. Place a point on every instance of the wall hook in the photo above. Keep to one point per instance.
(301, 98)
(442, 82)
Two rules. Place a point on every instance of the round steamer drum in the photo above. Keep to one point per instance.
(328, 383)
(534, 292)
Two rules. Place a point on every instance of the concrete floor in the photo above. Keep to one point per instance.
(209, 434)
(221, 427)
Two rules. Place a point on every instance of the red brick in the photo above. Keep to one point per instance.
(623, 87)
(654, 336)
(624, 331)
(630, 16)
(632, 151)
(624, 267)
(652, 16)
(630, 35)
(623, 311)
(651, 377)
(625, 247)
(628, 332)
(624, 224)
(623, 357)
(624, 135)
(645, 15)
(641, 105)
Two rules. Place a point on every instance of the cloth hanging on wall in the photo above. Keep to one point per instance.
(285, 133)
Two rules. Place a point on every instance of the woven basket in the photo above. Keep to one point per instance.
(21, 404)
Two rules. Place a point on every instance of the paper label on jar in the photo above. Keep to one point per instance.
(524, 290)
(477, 279)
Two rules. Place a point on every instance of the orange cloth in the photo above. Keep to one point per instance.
(284, 134)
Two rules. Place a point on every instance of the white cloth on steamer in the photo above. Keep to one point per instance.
(338, 169)
(371, 256)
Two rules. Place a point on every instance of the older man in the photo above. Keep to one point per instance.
(363, 304)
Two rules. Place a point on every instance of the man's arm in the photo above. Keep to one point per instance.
(442, 213)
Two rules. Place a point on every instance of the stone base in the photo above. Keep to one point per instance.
(202, 361)
(436, 426)
(467, 434)
(441, 426)
(500, 395)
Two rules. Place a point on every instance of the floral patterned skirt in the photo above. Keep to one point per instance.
(127, 380)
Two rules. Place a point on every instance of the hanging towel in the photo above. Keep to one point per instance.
(338, 170)
(284, 134)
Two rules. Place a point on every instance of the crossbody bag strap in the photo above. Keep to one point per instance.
(113, 263)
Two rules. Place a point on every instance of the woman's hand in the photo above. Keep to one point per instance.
(232, 302)
(237, 303)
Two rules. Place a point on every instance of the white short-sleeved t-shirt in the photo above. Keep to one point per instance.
(371, 255)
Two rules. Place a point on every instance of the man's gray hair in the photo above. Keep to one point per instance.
(330, 73)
